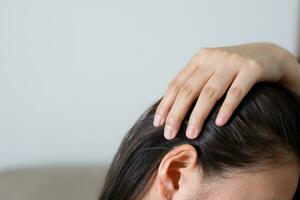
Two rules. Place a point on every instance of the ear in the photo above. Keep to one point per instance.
(177, 166)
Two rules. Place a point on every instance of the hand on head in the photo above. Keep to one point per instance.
(212, 72)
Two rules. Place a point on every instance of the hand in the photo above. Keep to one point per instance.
(210, 73)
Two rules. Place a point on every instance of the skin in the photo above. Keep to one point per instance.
(213, 71)
(180, 177)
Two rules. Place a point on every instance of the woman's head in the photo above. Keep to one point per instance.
(254, 156)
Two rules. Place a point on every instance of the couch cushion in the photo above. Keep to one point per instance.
(59, 183)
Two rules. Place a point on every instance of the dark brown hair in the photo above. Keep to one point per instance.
(263, 130)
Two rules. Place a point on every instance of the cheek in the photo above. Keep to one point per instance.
(286, 182)
(292, 188)
(191, 190)
(188, 195)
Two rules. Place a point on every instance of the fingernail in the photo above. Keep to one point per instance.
(190, 132)
(220, 119)
(157, 120)
(168, 132)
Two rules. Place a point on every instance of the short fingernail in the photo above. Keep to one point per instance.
(191, 132)
(220, 119)
(157, 120)
(168, 132)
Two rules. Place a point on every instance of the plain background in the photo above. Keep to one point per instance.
(76, 74)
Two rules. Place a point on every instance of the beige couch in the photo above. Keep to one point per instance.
(52, 183)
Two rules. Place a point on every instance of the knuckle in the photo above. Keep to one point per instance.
(186, 91)
(256, 69)
(172, 119)
(243, 60)
(203, 54)
(209, 92)
(220, 52)
(236, 92)
(174, 85)
(254, 64)
(234, 57)
(203, 50)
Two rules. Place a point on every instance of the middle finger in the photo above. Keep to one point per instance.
(185, 97)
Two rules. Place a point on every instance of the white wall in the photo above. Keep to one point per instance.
(75, 75)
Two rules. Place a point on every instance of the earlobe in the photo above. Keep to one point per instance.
(176, 164)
